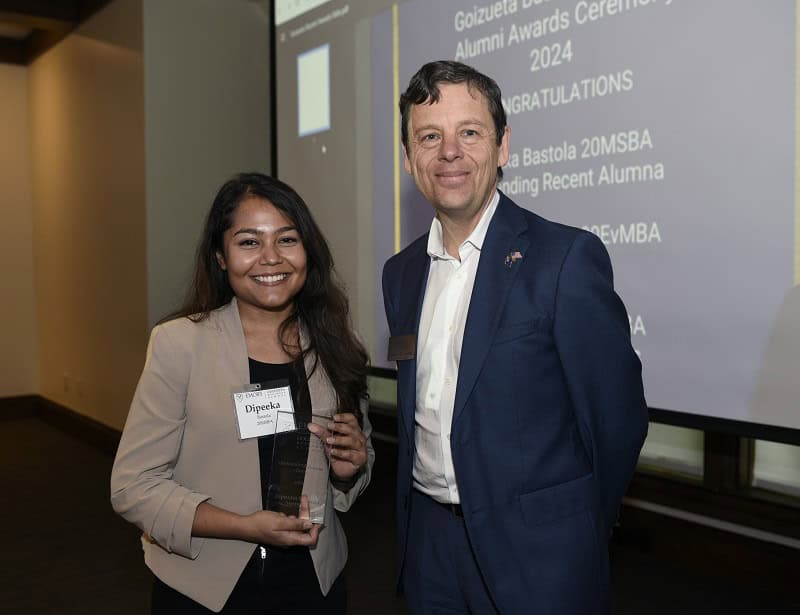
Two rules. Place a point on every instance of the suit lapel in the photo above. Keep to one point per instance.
(233, 349)
(493, 280)
(412, 292)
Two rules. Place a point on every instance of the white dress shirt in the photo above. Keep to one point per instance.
(441, 333)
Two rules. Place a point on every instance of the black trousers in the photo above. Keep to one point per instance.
(283, 583)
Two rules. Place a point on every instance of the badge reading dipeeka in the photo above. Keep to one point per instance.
(299, 465)
(264, 409)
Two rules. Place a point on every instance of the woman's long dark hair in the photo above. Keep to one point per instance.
(321, 306)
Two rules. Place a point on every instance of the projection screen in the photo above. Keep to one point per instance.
(666, 127)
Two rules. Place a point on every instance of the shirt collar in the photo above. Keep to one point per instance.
(476, 237)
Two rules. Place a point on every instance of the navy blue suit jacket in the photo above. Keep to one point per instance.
(549, 410)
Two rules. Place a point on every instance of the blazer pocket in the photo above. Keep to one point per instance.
(558, 501)
(509, 333)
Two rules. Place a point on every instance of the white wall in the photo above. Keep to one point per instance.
(207, 110)
(87, 145)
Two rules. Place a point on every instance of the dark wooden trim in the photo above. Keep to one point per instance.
(49, 20)
(40, 41)
(87, 429)
(761, 566)
(40, 13)
(745, 506)
(84, 428)
(722, 461)
(747, 462)
(727, 426)
(88, 8)
(383, 372)
(19, 407)
(12, 51)
(37, 22)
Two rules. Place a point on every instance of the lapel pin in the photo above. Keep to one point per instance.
(512, 258)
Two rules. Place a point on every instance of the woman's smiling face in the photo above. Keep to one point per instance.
(263, 256)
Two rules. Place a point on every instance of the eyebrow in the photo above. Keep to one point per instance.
(256, 231)
(466, 122)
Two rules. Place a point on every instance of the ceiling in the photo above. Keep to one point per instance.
(28, 28)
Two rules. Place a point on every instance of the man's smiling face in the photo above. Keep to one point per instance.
(453, 153)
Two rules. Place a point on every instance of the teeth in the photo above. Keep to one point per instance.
(271, 278)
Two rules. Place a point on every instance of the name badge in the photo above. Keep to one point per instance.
(402, 347)
(264, 409)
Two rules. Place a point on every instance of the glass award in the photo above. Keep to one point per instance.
(300, 466)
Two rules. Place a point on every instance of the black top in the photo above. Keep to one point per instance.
(292, 560)
(295, 374)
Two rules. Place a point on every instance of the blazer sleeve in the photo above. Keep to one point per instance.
(142, 487)
(343, 500)
(602, 371)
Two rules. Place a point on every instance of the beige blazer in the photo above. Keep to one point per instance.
(180, 447)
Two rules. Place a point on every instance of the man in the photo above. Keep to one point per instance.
(520, 404)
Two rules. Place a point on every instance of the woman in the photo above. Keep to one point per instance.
(263, 306)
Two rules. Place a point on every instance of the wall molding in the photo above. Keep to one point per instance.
(86, 429)
(19, 407)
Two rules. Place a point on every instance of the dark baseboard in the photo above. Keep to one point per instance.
(747, 507)
(86, 429)
(19, 407)
(766, 568)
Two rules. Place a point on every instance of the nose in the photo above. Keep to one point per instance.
(270, 255)
(450, 148)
